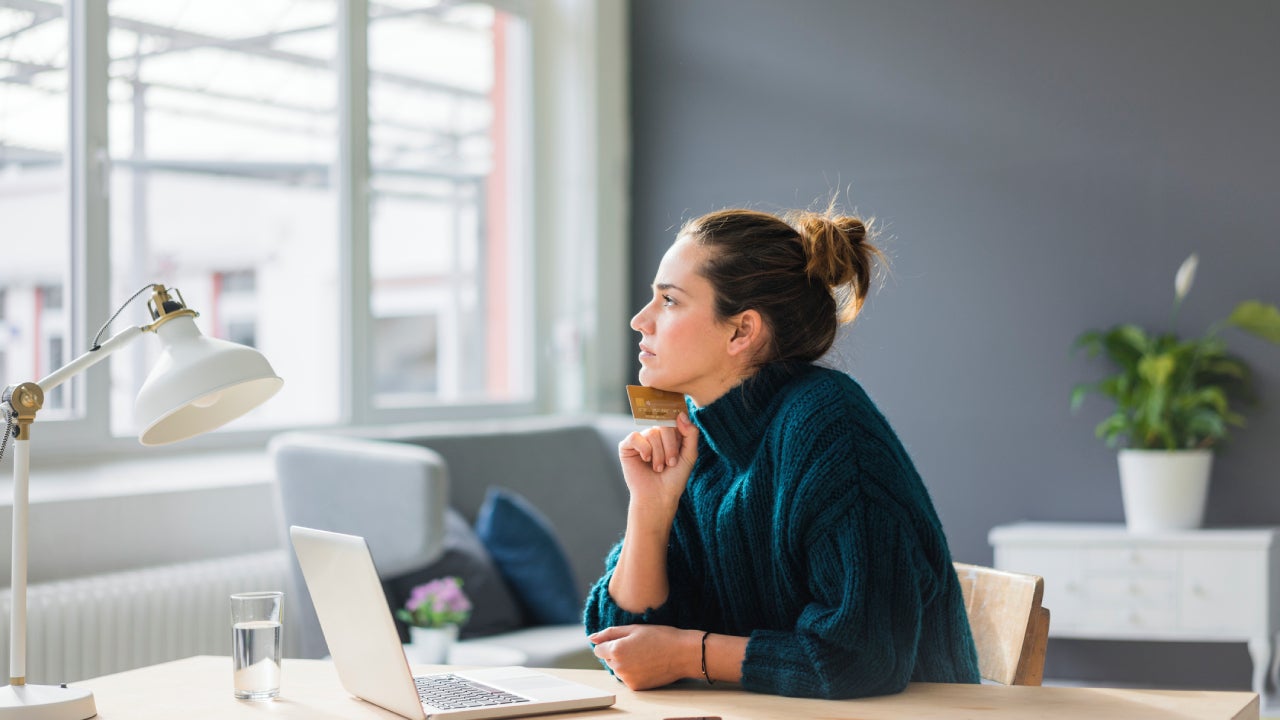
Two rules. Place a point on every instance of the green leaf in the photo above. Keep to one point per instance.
(1156, 369)
(1090, 341)
(1214, 397)
(1258, 318)
(1229, 367)
(1115, 386)
(1077, 396)
(1112, 428)
(1207, 424)
(1125, 344)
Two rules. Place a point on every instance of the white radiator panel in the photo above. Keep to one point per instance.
(101, 624)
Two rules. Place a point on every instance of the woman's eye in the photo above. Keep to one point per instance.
(668, 301)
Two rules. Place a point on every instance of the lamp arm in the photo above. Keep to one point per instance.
(91, 358)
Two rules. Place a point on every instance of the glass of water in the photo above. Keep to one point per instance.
(255, 644)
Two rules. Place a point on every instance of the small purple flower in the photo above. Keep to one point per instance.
(436, 603)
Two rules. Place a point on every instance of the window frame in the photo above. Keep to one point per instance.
(576, 274)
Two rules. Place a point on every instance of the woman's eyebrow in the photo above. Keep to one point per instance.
(663, 287)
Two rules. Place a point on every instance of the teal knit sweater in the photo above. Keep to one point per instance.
(806, 528)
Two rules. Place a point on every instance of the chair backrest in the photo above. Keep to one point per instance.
(1010, 627)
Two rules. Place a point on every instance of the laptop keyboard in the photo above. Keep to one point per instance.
(450, 692)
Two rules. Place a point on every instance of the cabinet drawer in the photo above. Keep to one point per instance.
(1224, 592)
(1132, 559)
(1127, 618)
(1132, 590)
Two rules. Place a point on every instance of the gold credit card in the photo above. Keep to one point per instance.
(651, 406)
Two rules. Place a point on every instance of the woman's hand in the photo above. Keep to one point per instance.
(649, 656)
(656, 464)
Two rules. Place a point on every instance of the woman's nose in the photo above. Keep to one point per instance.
(638, 320)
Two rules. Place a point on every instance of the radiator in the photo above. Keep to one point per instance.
(89, 626)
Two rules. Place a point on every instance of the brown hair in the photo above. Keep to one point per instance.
(805, 272)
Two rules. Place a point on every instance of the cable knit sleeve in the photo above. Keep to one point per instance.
(602, 611)
(859, 634)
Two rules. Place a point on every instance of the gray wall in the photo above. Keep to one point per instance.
(1038, 168)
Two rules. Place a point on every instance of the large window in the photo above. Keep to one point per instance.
(220, 170)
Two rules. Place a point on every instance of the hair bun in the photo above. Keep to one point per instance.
(831, 247)
(853, 228)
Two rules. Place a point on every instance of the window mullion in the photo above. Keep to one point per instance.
(89, 176)
(353, 200)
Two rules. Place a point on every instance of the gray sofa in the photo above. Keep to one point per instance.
(392, 485)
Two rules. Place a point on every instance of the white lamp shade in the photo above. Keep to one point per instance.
(199, 384)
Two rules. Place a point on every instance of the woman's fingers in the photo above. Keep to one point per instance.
(688, 438)
(659, 447)
(643, 656)
(635, 444)
(610, 633)
(670, 445)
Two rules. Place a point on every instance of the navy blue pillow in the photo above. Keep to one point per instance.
(523, 545)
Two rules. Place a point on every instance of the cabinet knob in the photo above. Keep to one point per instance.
(1135, 589)
(1135, 618)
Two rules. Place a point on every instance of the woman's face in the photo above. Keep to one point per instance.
(683, 347)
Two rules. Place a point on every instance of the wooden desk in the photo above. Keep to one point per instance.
(200, 687)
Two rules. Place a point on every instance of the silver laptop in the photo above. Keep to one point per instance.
(366, 649)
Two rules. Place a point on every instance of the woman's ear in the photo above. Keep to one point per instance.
(748, 332)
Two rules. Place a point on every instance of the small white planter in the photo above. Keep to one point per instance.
(430, 646)
(1164, 489)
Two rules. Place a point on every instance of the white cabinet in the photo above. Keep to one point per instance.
(1201, 585)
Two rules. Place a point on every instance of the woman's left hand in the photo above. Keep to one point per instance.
(648, 656)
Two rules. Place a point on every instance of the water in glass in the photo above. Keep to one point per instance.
(256, 655)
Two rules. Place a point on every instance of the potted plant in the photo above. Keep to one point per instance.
(434, 612)
(1175, 401)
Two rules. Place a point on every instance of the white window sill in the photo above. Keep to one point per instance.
(86, 479)
(88, 518)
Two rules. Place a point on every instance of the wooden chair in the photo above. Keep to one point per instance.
(1010, 627)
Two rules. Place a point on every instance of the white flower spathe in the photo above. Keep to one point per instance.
(1186, 275)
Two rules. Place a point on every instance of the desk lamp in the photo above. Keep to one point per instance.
(198, 384)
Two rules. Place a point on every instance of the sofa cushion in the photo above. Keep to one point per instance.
(493, 607)
(528, 554)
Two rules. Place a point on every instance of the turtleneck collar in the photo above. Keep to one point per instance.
(734, 424)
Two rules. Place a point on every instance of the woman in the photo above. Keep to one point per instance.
(779, 535)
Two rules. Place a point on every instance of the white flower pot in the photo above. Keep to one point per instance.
(430, 646)
(1164, 489)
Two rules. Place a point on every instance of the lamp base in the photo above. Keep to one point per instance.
(46, 702)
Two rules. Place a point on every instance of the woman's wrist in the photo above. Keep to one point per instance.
(651, 515)
(693, 654)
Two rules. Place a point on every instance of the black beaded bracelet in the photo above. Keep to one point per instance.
(704, 659)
